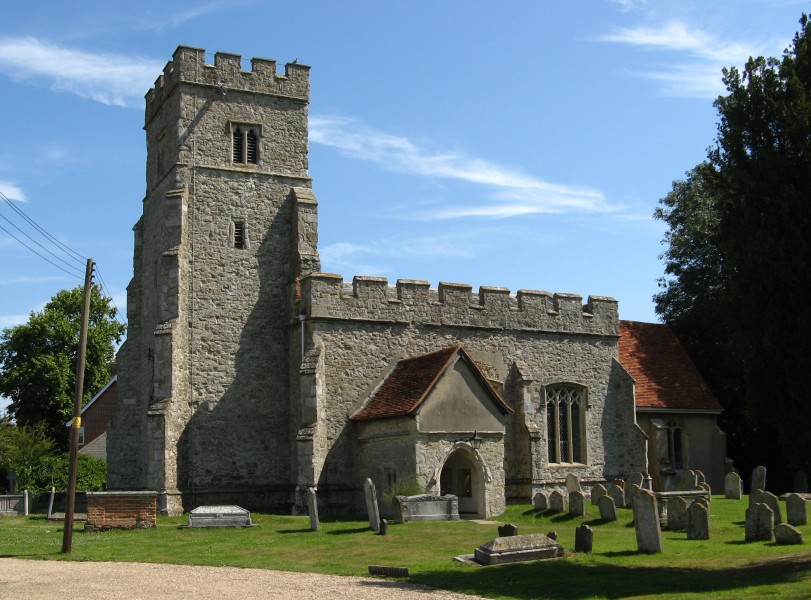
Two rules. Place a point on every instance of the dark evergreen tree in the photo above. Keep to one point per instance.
(738, 258)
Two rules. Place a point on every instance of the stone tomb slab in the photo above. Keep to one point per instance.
(220, 516)
(517, 548)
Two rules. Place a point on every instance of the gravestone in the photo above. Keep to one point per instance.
(700, 477)
(577, 504)
(756, 497)
(617, 494)
(507, 530)
(541, 501)
(583, 539)
(676, 513)
(646, 523)
(634, 478)
(597, 492)
(630, 492)
(800, 482)
(371, 504)
(51, 503)
(758, 479)
(608, 510)
(556, 502)
(759, 523)
(312, 505)
(698, 522)
(773, 502)
(796, 513)
(573, 483)
(706, 488)
(687, 481)
(517, 548)
(785, 534)
(733, 486)
(384, 527)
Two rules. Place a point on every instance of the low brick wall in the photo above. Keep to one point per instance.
(120, 510)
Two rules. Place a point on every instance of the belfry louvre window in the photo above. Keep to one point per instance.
(245, 145)
(565, 408)
(240, 235)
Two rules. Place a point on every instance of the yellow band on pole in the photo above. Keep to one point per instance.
(77, 422)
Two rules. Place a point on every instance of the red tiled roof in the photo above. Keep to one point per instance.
(410, 382)
(665, 376)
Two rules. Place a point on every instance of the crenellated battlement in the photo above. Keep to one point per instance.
(188, 65)
(326, 296)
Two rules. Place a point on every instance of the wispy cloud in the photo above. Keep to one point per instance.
(626, 5)
(180, 18)
(12, 191)
(509, 191)
(696, 72)
(112, 79)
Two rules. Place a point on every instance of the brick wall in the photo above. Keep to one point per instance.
(120, 510)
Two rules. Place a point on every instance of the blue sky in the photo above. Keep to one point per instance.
(522, 144)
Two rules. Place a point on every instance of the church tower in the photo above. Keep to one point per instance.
(204, 386)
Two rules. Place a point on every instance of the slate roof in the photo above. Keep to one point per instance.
(665, 376)
(411, 380)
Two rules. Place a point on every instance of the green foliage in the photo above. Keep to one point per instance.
(23, 450)
(407, 487)
(738, 255)
(38, 360)
(53, 471)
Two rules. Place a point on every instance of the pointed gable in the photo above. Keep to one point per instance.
(412, 380)
(665, 376)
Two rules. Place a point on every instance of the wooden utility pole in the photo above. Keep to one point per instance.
(67, 537)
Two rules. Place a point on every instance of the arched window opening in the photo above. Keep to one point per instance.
(565, 416)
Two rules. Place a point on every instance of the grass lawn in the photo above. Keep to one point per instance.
(723, 567)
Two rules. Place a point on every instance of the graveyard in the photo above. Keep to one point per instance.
(724, 566)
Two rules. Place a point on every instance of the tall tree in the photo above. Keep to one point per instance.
(39, 360)
(738, 251)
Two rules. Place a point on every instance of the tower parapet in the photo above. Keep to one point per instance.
(371, 299)
(189, 65)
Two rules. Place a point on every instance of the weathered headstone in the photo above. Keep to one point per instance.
(384, 527)
(51, 502)
(630, 492)
(583, 539)
(706, 487)
(758, 478)
(597, 492)
(733, 486)
(507, 530)
(773, 502)
(698, 522)
(541, 501)
(617, 494)
(556, 502)
(608, 510)
(312, 505)
(800, 482)
(573, 483)
(646, 523)
(785, 534)
(676, 513)
(700, 477)
(759, 523)
(577, 504)
(371, 504)
(796, 513)
(635, 478)
(755, 497)
(687, 481)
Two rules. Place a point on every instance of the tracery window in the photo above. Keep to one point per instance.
(565, 414)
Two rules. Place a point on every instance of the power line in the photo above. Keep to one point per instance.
(40, 255)
(64, 262)
(119, 317)
(79, 258)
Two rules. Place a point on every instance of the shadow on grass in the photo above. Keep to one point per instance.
(301, 530)
(563, 580)
(343, 531)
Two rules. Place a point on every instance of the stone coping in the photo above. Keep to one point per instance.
(122, 494)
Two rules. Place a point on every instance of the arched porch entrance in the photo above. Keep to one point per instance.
(462, 475)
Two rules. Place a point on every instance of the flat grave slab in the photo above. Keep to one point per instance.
(516, 548)
(220, 516)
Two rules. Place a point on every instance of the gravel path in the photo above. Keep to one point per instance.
(44, 580)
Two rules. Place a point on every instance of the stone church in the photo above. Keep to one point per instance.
(249, 376)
